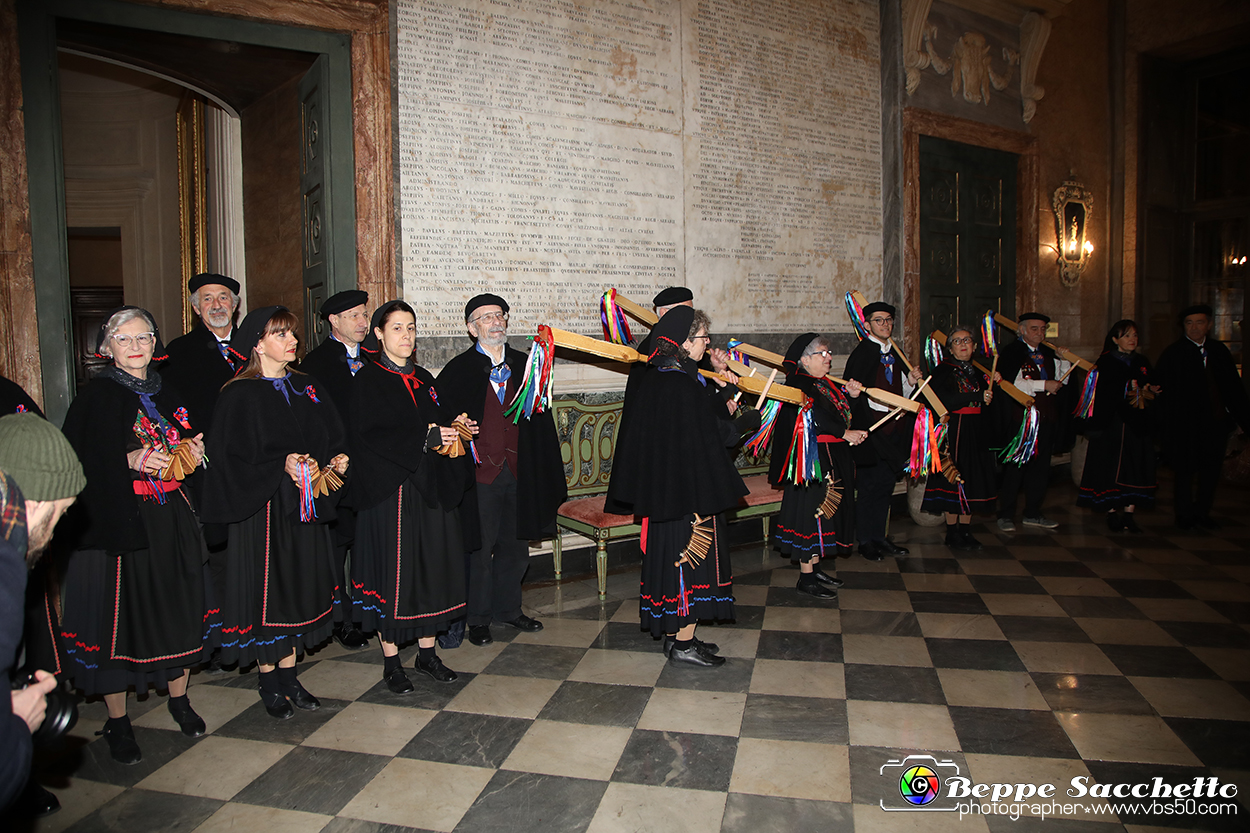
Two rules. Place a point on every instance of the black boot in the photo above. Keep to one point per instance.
(811, 586)
(191, 724)
(121, 740)
(291, 688)
(953, 538)
(271, 695)
(965, 534)
(1130, 523)
(1115, 522)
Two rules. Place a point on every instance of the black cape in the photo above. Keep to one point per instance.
(100, 426)
(1200, 398)
(327, 362)
(387, 434)
(255, 429)
(826, 419)
(541, 487)
(673, 461)
(891, 447)
(195, 367)
(1005, 413)
(15, 400)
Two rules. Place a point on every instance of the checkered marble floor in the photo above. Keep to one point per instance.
(1044, 657)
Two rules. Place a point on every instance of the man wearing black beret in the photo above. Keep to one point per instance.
(1035, 369)
(1203, 399)
(334, 363)
(200, 362)
(520, 481)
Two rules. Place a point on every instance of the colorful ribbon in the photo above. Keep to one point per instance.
(1024, 445)
(534, 394)
(803, 459)
(1085, 404)
(925, 456)
(757, 445)
(857, 316)
(615, 325)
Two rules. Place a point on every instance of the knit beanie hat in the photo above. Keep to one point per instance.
(36, 454)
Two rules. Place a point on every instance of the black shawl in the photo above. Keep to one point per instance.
(387, 433)
(195, 367)
(15, 400)
(1193, 396)
(463, 386)
(259, 422)
(958, 385)
(327, 362)
(100, 425)
(673, 461)
(826, 419)
(1110, 397)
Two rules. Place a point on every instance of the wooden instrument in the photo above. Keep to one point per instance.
(1066, 355)
(934, 402)
(1008, 388)
(885, 397)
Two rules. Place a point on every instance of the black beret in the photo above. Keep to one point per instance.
(1033, 316)
(206, 278)
(343, 301)
(1197, 309)
(673, 326)
(791, 362)
(672, 295)
(247, 334)
(484, 300)
(878, 306)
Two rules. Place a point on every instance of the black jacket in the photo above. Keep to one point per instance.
(1201, 398)
(327, 362)
(15, 743)
(890, 446)
(195, 367)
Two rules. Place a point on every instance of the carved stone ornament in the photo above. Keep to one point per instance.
(1072, 204)
(970, 66)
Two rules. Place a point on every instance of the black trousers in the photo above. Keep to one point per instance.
(1034, 476)
(1196, 458)
(343, 528)
(874, 487)
(496, 570)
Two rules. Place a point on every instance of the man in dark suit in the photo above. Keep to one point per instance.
(520, 482)
(1203, 399)
(200, 362)
(879, 462)
(334, 363)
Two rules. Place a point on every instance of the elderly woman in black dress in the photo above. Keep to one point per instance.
(408, 564)
(797, 531)
(134, 600)
(1119, 473)
(965, 391)
(273, 435)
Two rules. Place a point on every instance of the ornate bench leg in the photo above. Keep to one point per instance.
(601, 567)
(557, 557)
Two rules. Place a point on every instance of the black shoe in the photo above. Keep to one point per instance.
(694, 656)
(300, 698)
(825, 578)
(397, 681)
(1115, 521)
(435, 670)
(34, 802)
(812, 587)
(1208, 523)
(191, 724)
(277, 705)
(888, 547)
(870, 551)
(480, 635)
(956, 541)
(349, 636)
(707, 647)
(525, 623)
(1130, 523)
(970, 540)
(121, 740)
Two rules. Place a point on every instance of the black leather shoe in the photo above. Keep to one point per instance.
(1130, 523)
(694, 656)
(349, 636)
(1115, 522)
(397, 681)
(480, 635)
(300, 698)
(870, 551)
(191, 724)
(435, 670)
(525, 623)
(121, 740)
(970, 540)
(708, 647)
(812, 587)
(34, 803)
(888, 547)
(825, 578)
(956, 541)
(277, 705)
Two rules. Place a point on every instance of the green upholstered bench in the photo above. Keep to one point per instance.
(587, 442)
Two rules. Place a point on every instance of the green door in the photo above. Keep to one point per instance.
(967, 233)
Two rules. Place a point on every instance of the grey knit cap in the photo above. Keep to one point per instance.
(36, 454)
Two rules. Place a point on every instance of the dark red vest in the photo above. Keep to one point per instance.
(497, 437)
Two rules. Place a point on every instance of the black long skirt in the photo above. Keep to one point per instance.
(672, 597)
(279, 593)
(408, 568)
(140, 618)
(1119, 470)
(795, 530)
(969, 448)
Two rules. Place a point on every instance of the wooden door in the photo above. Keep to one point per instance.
(312, 183)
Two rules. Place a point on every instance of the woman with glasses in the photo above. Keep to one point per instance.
(275, 439)
(1119, 473)
(965, 391)
(811, 526)
(134, 599)
(408, 569)
(673, 469)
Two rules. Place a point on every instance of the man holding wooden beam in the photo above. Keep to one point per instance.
(879, 461)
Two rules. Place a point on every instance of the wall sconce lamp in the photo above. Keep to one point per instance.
(1072, 204)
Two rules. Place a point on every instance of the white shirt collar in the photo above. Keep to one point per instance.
(353, 350)
(1196, 343)
(885, 347)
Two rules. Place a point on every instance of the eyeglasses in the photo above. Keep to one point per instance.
(957, 341)
(142, 339)
(707, 338)
(489, 317)
(826, 353)
(880, 320)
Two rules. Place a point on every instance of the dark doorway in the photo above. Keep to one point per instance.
(95, 289)
(967, 233)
